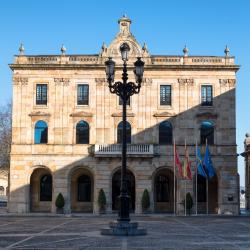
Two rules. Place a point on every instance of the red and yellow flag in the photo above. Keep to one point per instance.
(178, 163)
(187, 174)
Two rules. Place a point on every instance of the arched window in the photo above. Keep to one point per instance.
(46, 188)
(207, 132)
(165, 133)
(84, 188)
(82, 133)
(162, 188)
(41, 132)
(2, 191)
(128, 132)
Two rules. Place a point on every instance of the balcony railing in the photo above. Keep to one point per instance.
(133, 150)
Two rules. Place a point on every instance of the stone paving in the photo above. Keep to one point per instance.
(164, 232)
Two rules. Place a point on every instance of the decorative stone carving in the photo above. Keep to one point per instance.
(64, 81)
(186, 81)
(207, 115)
(227, 82)
(39, 113)
(120, 114)
(20, 80)
(100, 81)
(164, 114)
(81, 114)
(147, 81)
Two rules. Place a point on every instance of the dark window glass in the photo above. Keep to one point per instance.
(162, 189)
(120, 101)
(165, 95)
(41, 94)
(83, 94)
(206, 95)
(128, 132)
(84, 188)
(46, 188)
(207, 133)
(201, 189)
(82, 133)
(41, 132)
(165, 133)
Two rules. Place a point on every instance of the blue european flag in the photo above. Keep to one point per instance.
(207, 162)
(200, 166)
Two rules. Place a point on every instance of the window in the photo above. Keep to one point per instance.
(82, 133)
(120, 101)
(165, 95)
(128, 132)
(206, 95)
(41, 94)
(165, 133)
(83, 94)
(41, 132)
(162, 189)
(84, 188)
(46, 188)
(207, 132)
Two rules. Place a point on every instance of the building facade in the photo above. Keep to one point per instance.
(246, 155)
(67, 130)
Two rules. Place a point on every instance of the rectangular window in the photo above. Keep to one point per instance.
(165, 95)
(120, 101)
(206, 95)
(41, 94)
(83, 94)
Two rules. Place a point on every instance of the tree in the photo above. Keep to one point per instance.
(5, 135)
(102, 200)
(145, 202)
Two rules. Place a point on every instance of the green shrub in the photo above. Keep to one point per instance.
(145, 201)
(60, 201)
(101, 199)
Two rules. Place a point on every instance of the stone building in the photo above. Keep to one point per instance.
(246, 155)
(67, 129)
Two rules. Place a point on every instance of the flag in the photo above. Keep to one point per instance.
(178, 162)
(207, 162)
(187, 166)
(200, 167)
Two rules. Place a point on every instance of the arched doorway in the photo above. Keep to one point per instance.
(116, 185)
(41, 190)
(81, 189)
(202, 195)
(164, 191)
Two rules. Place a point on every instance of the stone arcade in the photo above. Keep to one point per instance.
(67, 129)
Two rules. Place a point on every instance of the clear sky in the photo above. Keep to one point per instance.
(205, 26)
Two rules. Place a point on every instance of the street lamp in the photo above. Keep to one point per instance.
(124, 89)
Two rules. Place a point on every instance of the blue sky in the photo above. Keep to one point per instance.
(205, 26)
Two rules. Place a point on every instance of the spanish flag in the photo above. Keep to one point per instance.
(187, 174)
(178, 162)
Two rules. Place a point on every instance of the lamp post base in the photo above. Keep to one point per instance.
(123, 228)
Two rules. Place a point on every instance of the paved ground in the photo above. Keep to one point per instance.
(164, 232)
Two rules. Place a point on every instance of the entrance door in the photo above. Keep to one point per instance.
(116, 185)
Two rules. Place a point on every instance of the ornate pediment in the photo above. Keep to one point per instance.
(120, 114)
(164, 114)
(39, 113)
(81, 114)
(207, 115)
(124, 35)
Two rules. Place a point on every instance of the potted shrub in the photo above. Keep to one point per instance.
(145, 201)
(102, 201)
(59, 203)
(189, 203)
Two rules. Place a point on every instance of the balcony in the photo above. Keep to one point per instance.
(115, 150)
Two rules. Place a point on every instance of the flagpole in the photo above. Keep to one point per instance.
(185, 183)
(174, 181)
(207, 184)
(196, 190)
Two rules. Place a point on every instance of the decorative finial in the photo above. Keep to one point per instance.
(125, 15)
(226, 51)
(185, 51)
(104, 46)
(21, 49)
(63, 50)
(145, 47)
(247, 134)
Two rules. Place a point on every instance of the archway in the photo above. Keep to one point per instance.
(116, 185)
(81, 189)
(41, 190)
(164, 191)
(202, 195)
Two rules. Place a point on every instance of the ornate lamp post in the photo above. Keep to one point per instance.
(124, 89)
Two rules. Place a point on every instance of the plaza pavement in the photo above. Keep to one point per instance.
(164, 232)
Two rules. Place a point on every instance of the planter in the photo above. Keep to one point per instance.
(59, 210)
